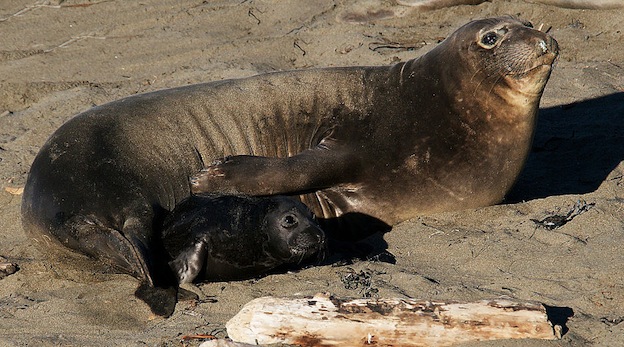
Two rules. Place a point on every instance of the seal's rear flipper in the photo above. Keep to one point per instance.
(91, 237)
(161, 301)
(186, 295)
(130, 254)
(159, 287)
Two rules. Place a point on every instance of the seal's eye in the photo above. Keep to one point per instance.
(289, 221)
(489, 39)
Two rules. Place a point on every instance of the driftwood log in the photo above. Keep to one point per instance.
(225, 343)
(327, 321)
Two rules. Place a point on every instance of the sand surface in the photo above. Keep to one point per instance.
(60, 58)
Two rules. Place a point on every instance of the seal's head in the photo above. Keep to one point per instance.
(514, 51)
(293, 232)
(500, 55)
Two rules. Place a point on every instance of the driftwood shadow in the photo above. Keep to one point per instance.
(575, 148)
(559, 316)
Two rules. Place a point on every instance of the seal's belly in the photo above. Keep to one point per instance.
(352, 199)
(396, 198)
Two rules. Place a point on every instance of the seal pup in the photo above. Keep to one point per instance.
(450, 130)
(366, 146)
(223, 238)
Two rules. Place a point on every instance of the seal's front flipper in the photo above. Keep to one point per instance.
(309, 170)
(161, 301)
(189, 263)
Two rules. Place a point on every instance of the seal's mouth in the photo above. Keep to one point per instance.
(306, 245)
(546, 52)
(532, 81)
(537, 69)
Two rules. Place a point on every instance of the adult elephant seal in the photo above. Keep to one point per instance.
(223, 238)
(446, 131)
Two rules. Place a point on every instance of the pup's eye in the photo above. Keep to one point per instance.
(489, 39)
(289, 221)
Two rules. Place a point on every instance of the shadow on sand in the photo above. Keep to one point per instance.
(575, 147)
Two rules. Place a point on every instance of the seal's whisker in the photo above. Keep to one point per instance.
(475, 74)
(486, 78)
(478, 84)
(498, 78)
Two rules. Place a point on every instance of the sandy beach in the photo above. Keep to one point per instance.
(58, 58)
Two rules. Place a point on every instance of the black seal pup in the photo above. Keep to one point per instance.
(222, 238)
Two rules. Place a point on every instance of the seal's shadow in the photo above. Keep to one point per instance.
(356, 236)
(575, 147)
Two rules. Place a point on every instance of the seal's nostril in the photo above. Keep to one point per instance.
(320, 238)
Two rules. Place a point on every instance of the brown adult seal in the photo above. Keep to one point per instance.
(446, 131)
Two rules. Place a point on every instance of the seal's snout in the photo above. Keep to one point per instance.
(307, 242)
(312, 238)
(547, 45)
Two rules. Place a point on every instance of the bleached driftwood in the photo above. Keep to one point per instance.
(225, 343)
(327, 321)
